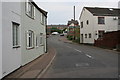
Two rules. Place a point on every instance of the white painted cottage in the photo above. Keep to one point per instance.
(95, 21)
(22, 34)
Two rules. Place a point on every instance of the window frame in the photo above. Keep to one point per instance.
(15, 37)
(28, 4)
(87, 22)
(85, 35)
(41, 39)
(30, 39)
(90, 35)
(82, 24)
(100, 34)
(100, 21)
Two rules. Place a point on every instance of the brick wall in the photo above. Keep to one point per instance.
(110, 40)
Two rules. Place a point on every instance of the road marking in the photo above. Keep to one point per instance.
(77, 50)
(89, 56)
(81, 64)
(68, 46)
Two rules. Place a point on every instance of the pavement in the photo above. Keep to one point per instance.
(35, 68)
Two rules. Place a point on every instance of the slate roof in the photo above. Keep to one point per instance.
(73, 21)
(96, 11)
(41, 10)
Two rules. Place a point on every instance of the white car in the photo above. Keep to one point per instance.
(55, 33)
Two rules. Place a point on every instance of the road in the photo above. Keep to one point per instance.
(81, 61)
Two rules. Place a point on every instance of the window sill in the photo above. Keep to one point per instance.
(101, 24)
(29, 48)
(18, 46)
(30, 16)
(41, 45)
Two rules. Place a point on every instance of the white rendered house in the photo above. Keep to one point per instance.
(22, 34)
(95, 21)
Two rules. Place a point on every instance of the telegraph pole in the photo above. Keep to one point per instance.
(74, 13)
(74, 22)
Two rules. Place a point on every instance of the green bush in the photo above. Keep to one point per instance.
(77, 40)
(70, 37)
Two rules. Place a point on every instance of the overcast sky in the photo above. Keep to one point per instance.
(59, 12)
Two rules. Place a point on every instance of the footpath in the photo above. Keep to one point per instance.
(36, 68)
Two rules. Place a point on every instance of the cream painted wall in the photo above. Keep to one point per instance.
(110, 24)
(36, 26)
(86, 15)
(11, 57)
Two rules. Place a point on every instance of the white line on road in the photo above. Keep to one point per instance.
(89, 56)
(77, 50)
(68, 46)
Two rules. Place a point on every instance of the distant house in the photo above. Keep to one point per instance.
(73, 29)
(51, 28)
(22, 34)
(96, 21)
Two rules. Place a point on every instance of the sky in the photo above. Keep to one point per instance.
(60, 11)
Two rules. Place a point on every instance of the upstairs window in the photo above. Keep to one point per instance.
(101, 20)
(81, 24)
(15, 34)
(87, 22)
(30, 10)
(119, 21)
(43, 19)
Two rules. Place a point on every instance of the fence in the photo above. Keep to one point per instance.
(110, 40)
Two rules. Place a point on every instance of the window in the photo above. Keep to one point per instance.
(30, 39)
(43, 19)
(85, 35)
(15, 33)
(119, 21)
(100, 34)
(87, 22)
(30, 10)
(90, 35)
(37, 41)
(81, 24)
(41, 38)
(101, 20)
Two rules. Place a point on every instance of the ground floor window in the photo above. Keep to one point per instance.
(30, 39)
(41, 38)
(90, 35)
(15, 34)
(85, 35)
(100, 34)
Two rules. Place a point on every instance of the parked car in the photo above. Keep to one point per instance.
(62, 34)
(55, 33)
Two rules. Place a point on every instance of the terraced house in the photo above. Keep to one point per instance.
(22, 35)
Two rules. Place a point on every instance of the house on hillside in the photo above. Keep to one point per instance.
(52, 28)
(96, 21)
(73, 29)
(23, 34)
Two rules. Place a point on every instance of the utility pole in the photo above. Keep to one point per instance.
(74, 13)
(74, 22)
